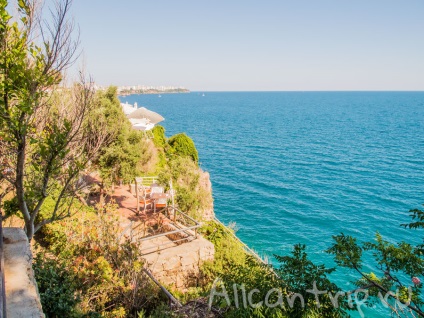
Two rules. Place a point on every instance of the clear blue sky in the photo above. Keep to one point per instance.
(255, 45)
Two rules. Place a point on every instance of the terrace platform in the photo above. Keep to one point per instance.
(170, 245)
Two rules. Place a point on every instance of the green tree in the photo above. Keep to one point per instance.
(191, 196)
(159, 136)
(120, 158)
(398, 267)
(286, 291)
(299, 275)
(182, 145)
(44, 131)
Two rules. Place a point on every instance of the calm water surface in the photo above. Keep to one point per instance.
(294, 167)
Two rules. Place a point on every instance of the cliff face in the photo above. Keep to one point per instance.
(179, 267)
(177, 161)
(205, 185)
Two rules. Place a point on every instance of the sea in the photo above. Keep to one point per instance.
(300, 167)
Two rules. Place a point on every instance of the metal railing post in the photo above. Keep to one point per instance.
(3, 286)
(137, 195)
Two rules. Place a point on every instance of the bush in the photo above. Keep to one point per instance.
(11, 207)
(191, 197)
(159, 136)
(182, 145)
(228, 251)
(56, 287)
(294, 275)
(104, 263)
(124, 147)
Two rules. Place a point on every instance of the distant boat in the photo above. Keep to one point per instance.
(160, 95)
(203, 94)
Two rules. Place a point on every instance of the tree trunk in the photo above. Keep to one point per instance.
(20, 191)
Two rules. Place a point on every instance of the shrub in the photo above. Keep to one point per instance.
(159, 136)
(125, 148)
(190, 197)
(182, 145)
(11, 207)
(56, 287)
(228, 251)
(105, 264)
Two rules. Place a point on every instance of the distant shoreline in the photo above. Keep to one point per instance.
(152, 92)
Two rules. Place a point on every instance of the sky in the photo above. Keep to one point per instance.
(267, 45)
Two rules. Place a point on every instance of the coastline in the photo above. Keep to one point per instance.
(152, 92)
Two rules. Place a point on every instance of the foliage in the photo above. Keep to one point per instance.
(43, 130)
(191, 197)
(182, 145)
(298, 274)
(159, 137)
(120, 158)
(295, 276)
(11, 207)
(104, 263)
(418, 218)
(56, 287)
(163, 311)
(251, 275)
(234, 266)
(346, 251)
(159, 141)
(398, 268)
(228, 251)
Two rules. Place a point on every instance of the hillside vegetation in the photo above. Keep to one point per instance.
(54, 137)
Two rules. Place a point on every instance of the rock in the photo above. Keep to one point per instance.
(22, 298)
(206, 185)
(179, 266)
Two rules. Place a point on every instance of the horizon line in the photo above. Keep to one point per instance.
(301, 91)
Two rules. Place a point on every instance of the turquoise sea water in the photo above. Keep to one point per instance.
(299, 167)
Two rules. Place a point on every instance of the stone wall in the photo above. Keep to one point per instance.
(22, 298)
(178, 267)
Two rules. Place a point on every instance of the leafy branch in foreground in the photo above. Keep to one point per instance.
(398, 266)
